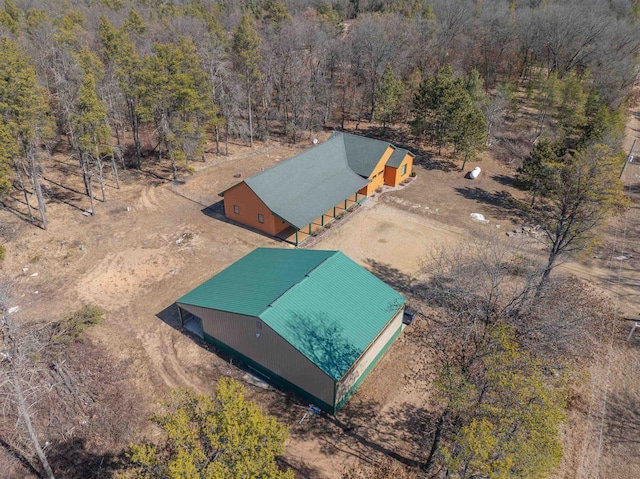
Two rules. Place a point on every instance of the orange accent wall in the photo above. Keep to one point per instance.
(250, 206)
(393, 176)
(377, 177)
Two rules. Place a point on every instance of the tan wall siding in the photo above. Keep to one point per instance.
(368, 356)
(250, 206)
(269, 349)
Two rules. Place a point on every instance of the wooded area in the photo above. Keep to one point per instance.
(132, 84)
(95, 75)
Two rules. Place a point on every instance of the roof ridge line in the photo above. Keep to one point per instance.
(272, 303)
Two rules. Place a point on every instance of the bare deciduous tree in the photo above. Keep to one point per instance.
(16, 371)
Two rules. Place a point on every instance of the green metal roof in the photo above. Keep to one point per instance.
(253, 282)
(308, 185)
(323, 303)
(395, 160)
(363, 154)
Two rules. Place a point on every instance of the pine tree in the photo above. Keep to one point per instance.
(174, 93)
(578, 194)
(23, 108)
(134, 23)
(8, 151)
(507, 413)
(445, 113)
(572, 104)
(92, 134)
(469, 132)
(10, 17)
(389, 92)
(534, 169)
(246, 59)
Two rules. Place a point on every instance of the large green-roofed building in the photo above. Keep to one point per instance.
(311, 321)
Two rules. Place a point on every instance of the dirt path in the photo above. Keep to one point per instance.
(602, 438)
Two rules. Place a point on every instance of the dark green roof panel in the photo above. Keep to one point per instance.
(395, 160)
(363, 154)
(306, 186)
(253, 282)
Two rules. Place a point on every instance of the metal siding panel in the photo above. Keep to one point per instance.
(346, 383)
(269, 349)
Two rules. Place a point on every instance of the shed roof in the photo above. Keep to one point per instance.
(395, 160)
(308, 185)
(321, 302)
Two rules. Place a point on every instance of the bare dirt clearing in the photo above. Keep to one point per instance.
(148, 245)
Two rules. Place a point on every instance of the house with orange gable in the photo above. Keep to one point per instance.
(298, 197)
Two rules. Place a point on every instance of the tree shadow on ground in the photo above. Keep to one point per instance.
(24, 463)
(22, 215)
(299, 467)
(505, 180)
(501, 203)
(362, 431)
(395, 278)
(66, 196)
(623, 418)
(72, 460)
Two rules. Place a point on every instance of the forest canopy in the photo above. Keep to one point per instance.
(121, 81)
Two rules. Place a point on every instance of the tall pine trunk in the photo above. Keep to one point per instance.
(35, 178)
(24, 190)
(250, 118)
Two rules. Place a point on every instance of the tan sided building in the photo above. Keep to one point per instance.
(312, 322)
(298, 197)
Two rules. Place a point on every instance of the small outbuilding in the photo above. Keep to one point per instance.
(314, 322)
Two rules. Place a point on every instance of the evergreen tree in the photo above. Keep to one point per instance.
(469, 132)
(174, 92)
(246, 59)
(445, 113)
(570, 113)
(8, 151)
(436, 104)
(92, 134)
(23, 110)
(389, 92)
(475, 87)
(118, 48)
(224, 436)
(534, 169)
(10, 17)
(134, 23)
(275, 13)
(577, 194)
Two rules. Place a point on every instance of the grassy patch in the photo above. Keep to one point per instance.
(3, 252)
(73, 324)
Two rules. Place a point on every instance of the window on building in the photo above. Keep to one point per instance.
(260, 218)
(404, 169)
(236, 209)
